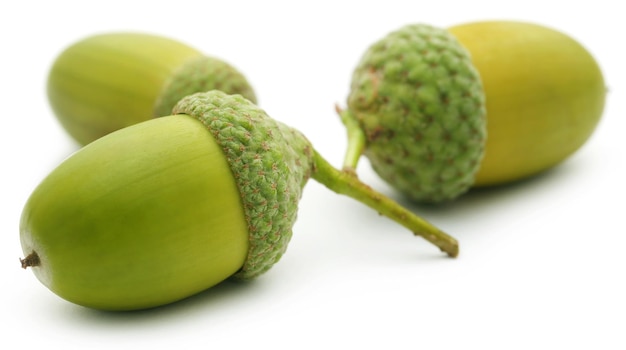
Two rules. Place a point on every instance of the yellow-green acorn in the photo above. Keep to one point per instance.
(438, 111)
(108, 81)
(545, 94)
(163, 209)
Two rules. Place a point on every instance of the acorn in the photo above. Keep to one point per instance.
(108, 81)
(166, 208)
(439, 111)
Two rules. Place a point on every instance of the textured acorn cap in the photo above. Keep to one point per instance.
(271, 163)
(420, 102)
(201, 74)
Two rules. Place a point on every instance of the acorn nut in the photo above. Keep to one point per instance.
(545, 95)
(163, 209)
(439, 111)
(108, 81)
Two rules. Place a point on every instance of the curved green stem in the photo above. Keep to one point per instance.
(356, 140)
(348, 184)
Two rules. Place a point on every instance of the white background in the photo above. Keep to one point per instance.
(542, 263)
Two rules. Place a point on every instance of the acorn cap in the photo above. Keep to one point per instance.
(420, 103)
(201, 74)
(270, 174)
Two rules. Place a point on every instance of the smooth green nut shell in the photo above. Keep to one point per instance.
(166, 208)
(144, 216)
(420, 103)
(105, 82)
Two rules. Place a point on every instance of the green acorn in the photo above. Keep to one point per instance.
(416, 110)
(105, 82)
(163, 209)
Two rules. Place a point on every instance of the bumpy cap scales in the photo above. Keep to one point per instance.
(271, 163)
(420, 102)
(201, 74)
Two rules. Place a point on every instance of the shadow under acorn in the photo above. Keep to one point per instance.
(210, 301)
(479, 200)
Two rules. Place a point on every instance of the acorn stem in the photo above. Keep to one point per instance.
(356, 140)
(31, 260)
(347, 183)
